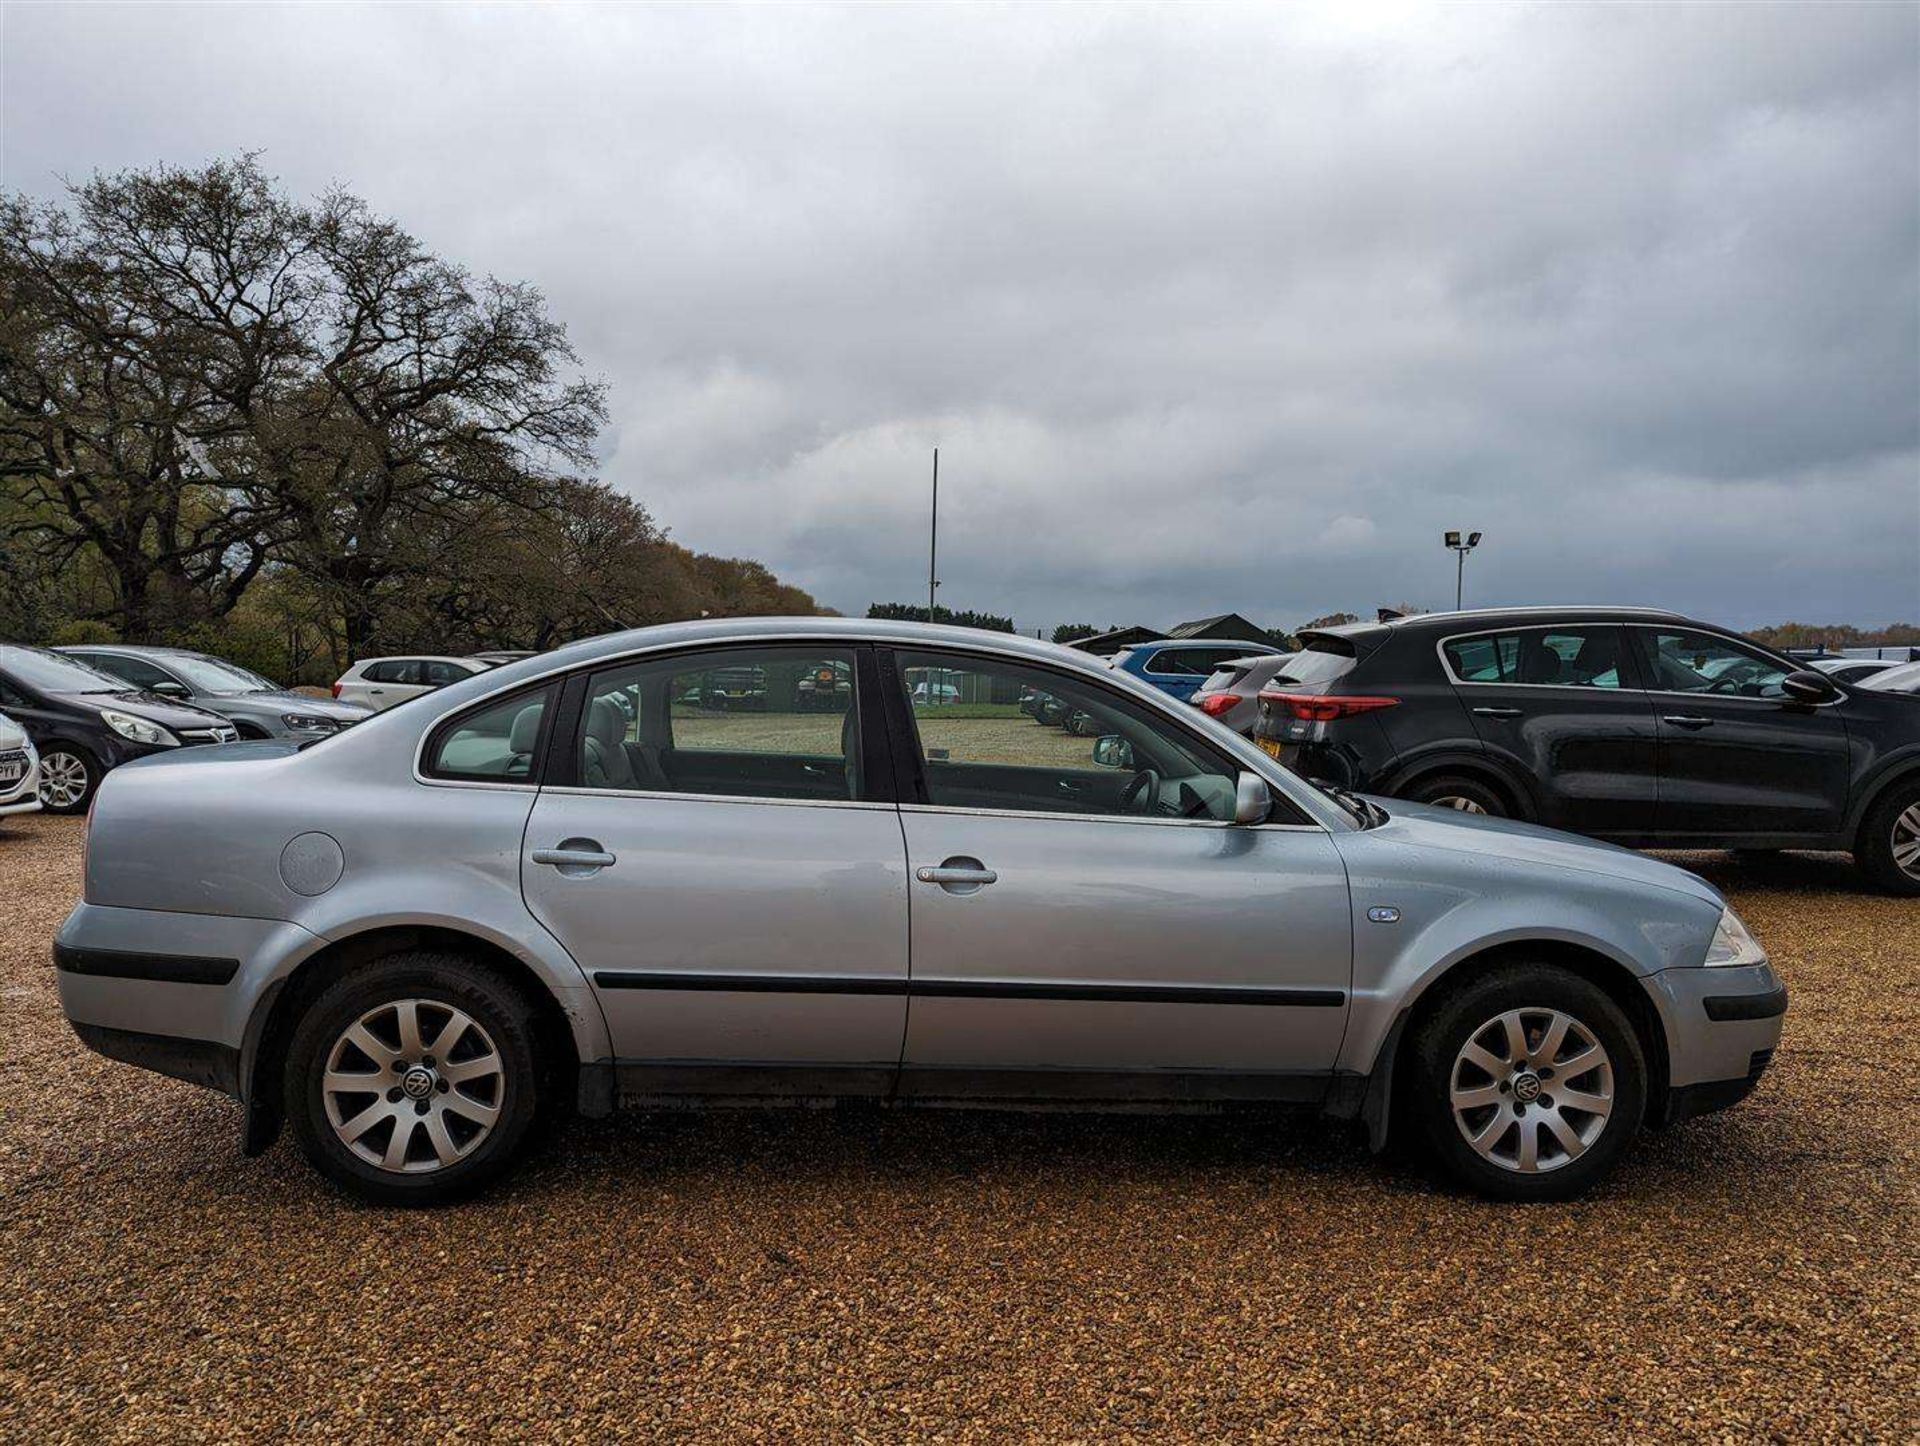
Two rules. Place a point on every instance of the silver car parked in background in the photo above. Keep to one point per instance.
(257, 707)
(1231, 695)
(575, 881)
(19, 770)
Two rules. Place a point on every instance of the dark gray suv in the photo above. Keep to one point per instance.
(255, 706)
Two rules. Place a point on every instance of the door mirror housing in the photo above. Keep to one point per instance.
(1809, 686)
(1110, 750)
(170, 689)
(1252, 799)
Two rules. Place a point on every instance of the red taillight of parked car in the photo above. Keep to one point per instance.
(1214, 704)
(1325, 708)
(336, 690)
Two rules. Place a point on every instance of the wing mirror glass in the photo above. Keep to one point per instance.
(1110, 750)
(1252, 799)
(1808, 686)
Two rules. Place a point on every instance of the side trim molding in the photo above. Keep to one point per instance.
(970, 988)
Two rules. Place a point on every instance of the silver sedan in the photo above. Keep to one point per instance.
(579, 880)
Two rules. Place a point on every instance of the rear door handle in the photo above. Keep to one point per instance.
(948, 874)
(576, 857)
(1687, 720)
(1498, 712)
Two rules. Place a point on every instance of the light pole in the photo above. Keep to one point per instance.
(933, 538)
(1461, 549)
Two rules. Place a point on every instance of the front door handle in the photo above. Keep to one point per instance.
(958, 875)
(1687, 720)
(1498, 712)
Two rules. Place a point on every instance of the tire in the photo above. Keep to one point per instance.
(1888, 849)
(1458, 791)
(462, 1133)
(1571, 1148)
(65, 768)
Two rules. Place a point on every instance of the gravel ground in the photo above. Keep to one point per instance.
(860, 1275)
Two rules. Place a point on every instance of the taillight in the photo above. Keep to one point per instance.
(336, 690)
(1325, 708)
(1214, 704)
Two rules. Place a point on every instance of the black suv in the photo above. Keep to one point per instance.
(1642, 727)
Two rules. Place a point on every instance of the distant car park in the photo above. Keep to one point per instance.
(257, 707)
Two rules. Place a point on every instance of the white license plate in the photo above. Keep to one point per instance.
(12, 772)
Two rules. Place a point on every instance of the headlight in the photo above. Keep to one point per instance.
(138, 729)
(1732, 944)
(308, 723)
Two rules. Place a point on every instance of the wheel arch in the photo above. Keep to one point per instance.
(275, 1016)
(1480, 767)
(1602, 970)
(1904, 769)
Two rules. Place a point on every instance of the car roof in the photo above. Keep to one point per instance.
(1162, 645)
(135, 650)
(1494, 617)
(419, 658)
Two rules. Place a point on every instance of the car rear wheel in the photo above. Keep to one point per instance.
(68, 777)
(1889, 845)
(1527, 1084)
(414, 1081)
(1457, 791)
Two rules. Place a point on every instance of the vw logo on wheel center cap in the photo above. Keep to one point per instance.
(417, 1083)
(1526, 1087)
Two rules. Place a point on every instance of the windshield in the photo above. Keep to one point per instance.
(49, 671)
(210, 675)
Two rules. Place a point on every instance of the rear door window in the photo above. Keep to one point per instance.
(1539, 657)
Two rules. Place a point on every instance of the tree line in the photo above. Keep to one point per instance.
(286, 431)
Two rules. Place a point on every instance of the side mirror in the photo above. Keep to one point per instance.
(170, 689)
(1809, 686)
(1110, 750)
(1252, 799)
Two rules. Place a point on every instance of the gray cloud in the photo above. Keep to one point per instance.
(1206, 308)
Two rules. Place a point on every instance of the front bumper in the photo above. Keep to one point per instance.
(1723, 1026)
(21, 795)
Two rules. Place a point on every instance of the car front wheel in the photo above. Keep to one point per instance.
(413, 1081)
(1889, 845)
(1466, 795)
(1527, 1084)
(68, 777)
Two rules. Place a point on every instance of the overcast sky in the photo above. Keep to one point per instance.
(1206, 309)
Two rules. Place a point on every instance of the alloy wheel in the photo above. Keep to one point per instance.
(1906, 842)
(63, 779)
(413, 1086)
(1531, 1090)
(1455, 801)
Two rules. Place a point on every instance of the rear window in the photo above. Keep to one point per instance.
(1224, 678)
(1323, 660)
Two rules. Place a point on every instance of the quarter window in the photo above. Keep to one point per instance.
(1540, 658)
(775, 722)
(495, 743)
(994, 734)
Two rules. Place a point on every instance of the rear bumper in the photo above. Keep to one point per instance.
(197, 1061)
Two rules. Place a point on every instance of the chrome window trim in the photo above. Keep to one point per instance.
(1446, 663)
(572, 790)
(1126, 818)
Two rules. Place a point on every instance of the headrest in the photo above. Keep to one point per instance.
(606, 724)
(525, 731)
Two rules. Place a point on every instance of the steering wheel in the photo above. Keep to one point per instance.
(1733, 680)
(1144, 786)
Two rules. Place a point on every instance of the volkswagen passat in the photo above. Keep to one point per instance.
(577, 881)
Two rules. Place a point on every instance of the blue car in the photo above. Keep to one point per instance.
(1179, 666)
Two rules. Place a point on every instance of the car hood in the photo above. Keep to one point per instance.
(290, 702)
(1425, 826)
(167, 712)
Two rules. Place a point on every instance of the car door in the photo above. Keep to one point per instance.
(1738, 758)
(1082, 926)
(1562, 706)
(734, 883)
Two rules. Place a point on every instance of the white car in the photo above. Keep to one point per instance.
(379, 683)
(19, 770)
